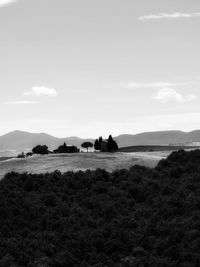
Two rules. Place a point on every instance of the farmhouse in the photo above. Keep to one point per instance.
(66, 149)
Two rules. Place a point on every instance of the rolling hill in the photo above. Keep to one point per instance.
(159, 138)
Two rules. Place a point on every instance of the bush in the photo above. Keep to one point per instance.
(42, 150)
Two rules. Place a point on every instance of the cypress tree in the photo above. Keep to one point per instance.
(97, 145)
(112, 144)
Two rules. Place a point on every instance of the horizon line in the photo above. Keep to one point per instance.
(76, 136)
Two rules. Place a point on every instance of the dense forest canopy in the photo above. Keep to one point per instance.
(135, 217)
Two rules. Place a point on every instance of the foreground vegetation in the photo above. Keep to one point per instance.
(136, 217)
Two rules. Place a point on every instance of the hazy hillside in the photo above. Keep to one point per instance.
(159, 138)
(20, 140)
(23, 140)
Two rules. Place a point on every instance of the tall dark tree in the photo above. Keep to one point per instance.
(112, 144)
(87, 145)
(97, 145)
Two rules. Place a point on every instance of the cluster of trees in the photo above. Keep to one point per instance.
(39, 149)
(135, 217)
(108, 145)
(42, 150)
(23, 155)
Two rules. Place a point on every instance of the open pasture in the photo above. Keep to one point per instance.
(80, 161)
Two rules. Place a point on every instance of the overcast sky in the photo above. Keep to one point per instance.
(94, 67)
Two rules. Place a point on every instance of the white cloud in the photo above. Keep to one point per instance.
(191, 97)
(169, 94)
(176, 15)
(21, 102)
(42, 91)
(151, 85)
(6, 2)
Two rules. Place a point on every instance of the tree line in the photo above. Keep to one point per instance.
(108, 145)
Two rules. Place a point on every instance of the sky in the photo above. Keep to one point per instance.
(98, 67)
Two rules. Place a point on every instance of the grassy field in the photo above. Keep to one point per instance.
(80, 161)
(5, 158)
(151, 148)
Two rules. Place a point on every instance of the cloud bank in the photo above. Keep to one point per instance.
(6, 2)
(176, 15)
(169, 94)
(21, 102)
(42, 91)
(151, 85)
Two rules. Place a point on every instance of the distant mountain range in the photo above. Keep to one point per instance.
(160, 138)
(19, 140)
